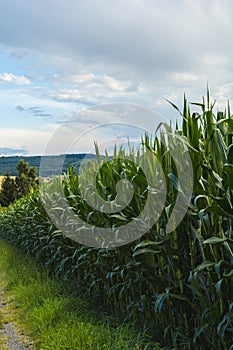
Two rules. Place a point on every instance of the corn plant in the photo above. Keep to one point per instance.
(177, 285)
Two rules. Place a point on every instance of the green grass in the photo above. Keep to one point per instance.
(53, 315)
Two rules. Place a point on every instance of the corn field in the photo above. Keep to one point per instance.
(178, 285)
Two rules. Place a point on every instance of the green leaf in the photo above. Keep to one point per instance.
(159, 302)
(181, 297)
(198, 332)
(218, 286)
(204, 265)
(174, 106)
(146, 251)
(119, 217)
(214, 240)
(228, 121)
(219, 211)
(230, 154)
(202, 105)
(230, 274)
(146, 243)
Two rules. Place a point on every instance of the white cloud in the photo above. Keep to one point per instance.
(15, 79)
(145, 36)
(105, 123)
(181, 77)
(90, 88)
(154, 43)
(140, 51)
(93, 81)
(33, 141)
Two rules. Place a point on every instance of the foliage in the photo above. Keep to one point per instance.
(8, 192)
(26, 178)
(13, 189)
(178, 284)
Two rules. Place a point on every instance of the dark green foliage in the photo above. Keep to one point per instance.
(26, 179)
(8, 193)
(19, 187)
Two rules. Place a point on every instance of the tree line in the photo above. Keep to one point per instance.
(18, 187)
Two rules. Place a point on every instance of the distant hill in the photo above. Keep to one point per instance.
(9, 164)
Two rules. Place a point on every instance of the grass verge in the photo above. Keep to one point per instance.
(53, 316)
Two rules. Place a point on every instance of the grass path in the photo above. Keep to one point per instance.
(51, 314)
(11, 337)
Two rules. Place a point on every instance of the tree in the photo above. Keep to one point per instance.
(19, 187)
(8, 192)
(26, 179)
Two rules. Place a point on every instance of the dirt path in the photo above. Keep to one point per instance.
(10, 336)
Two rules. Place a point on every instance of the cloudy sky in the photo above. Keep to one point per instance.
(59, 57)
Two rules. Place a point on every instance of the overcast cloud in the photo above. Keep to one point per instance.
(69, 55)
